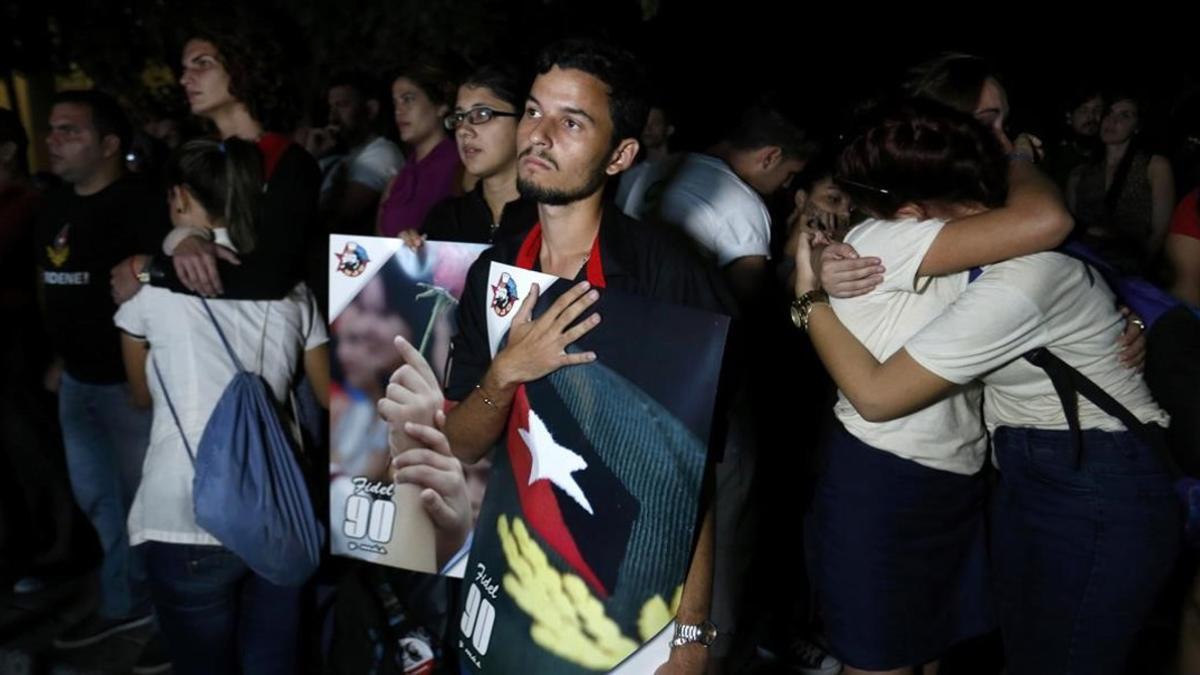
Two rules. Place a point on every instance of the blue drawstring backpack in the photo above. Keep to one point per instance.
(249, 491)
(1146, 300)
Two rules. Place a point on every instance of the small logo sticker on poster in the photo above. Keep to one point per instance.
(352, 261)
(504, 295)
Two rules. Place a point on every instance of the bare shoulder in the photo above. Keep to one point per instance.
(1158, 166)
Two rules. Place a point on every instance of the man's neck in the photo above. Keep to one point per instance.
(101, 179)
(235, 121)
(738, 161)
(568, 232)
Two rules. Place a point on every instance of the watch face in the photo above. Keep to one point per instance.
(703, 634)
(797, 318)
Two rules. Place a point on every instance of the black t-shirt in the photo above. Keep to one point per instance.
(289, 244)
(468, 218)
(78, 242)
(641, 258)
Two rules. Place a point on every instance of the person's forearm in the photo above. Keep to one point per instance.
(178, 234)
(162, 274)
(695, 603)
(848, 362)
(1039, 214)
(475, 424)
(878, 391)
(1034, 219)
(264, 279)
(134, 354)
(316, 367)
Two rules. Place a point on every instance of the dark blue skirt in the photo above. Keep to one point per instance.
(899, 556)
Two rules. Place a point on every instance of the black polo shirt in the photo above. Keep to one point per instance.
(468, 218)
(641, 258)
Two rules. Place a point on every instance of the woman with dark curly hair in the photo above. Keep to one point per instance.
(234, 81)
(259, 93)
(423, 95)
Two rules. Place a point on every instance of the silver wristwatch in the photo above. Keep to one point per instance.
(704, 634)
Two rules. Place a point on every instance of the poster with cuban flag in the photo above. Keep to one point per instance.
(378, 289)
(583, 543)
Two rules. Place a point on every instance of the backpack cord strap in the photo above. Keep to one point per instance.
(163, 385)
(228, 349)
(262, 339)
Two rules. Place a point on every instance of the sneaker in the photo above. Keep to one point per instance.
(809, 657)
(96, 628)
(154, 659)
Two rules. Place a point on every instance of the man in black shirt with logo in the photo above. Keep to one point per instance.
(99, 217)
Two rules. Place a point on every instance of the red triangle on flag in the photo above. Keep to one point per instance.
(538, 501)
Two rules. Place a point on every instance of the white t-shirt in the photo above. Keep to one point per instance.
(1043, 300)
(640, 189)
(196, 369)
(372, 164)
(717, 209)
(949, 434)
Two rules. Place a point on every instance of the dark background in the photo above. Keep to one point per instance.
(707, 58)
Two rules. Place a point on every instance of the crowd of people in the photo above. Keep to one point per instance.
(905, 306)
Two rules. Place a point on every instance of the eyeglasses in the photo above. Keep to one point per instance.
(475, 116)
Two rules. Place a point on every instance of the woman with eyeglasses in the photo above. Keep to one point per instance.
(484, 123)
(422, 94)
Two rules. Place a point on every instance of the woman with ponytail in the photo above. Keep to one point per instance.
(216, 614)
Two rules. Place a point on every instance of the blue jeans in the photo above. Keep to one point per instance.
(219, 617)
(1079, 554)
(105, 438)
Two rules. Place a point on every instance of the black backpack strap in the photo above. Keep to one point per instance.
(1065, 388)
(1068, 382)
